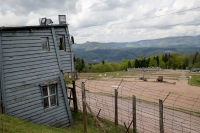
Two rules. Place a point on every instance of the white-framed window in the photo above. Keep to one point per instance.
(49, 94)
(45, 43)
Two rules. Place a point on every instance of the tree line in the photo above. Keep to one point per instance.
(165, 61)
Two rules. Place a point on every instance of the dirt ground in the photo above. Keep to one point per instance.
(174, 91)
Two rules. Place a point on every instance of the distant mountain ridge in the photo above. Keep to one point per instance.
(172, 42)
(116, 51)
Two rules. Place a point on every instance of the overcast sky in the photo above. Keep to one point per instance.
(108, 20)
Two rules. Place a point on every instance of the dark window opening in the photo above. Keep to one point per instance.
(61, 42)
(49, 96)
(45, 43)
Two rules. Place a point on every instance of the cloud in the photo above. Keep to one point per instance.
(107, 20)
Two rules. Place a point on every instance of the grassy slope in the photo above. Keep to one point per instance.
(16, 125)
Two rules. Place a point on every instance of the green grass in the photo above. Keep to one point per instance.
(117, 74)
(16, 125)
(10, 124)
(195, 80)
(67, 80)
(108, 126)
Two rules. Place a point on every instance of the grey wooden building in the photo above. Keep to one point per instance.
(32, 62)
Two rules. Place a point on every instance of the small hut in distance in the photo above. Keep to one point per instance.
(32, 62)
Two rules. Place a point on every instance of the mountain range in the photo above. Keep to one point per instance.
(116, 51)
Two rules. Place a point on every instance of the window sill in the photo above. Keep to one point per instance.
(50, 108)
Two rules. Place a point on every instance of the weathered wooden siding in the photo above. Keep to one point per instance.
(25, 66)
(66, 56)
(1, 65)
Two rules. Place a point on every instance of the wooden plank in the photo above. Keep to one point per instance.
(66, 59)
(69, 39)
(61, 77)
(161, 116)
(29, 31)
(18, 99)
(134, 114)
(63, 124)
(52, 117)
(14, 75)
(22, 110)
(34, 63)
(27, 53)
(29, 83)
(29, 66)
(2, 92)
(116, 107)
(24, 47)
(33, 99)
(58, 120)
(60, 33)
(29, 108)
(37, 102)
(72, 62)
(21, 42)
(30, 112)
(31, 78)
(10, 62)
(66, 65)
(22, 92)
(18, 103)
(10, 93)
(84, 107)
(26, 34)
(39, 115)
(24, 41)
(42, 115)
(38, 80)
(22, 88)
(28, 56)
(60, 29)
(63, 53)
(66, 70)
(36, 73)
(23, 38)
(14, 50)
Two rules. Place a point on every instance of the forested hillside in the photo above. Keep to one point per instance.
(117, 55)
(165, 61)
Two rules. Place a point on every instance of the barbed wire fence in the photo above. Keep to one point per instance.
(156, 109)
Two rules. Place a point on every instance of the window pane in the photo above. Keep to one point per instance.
(46, 103)
(61, 42)
(52, 89)
(45, 92)
(53, 100)
(45, 43)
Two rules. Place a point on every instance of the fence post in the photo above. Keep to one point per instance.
(134, 114)
(161, 116)
(75, 97)
(84, 106)
(116, 108)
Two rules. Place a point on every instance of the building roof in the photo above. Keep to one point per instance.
(29, 27)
